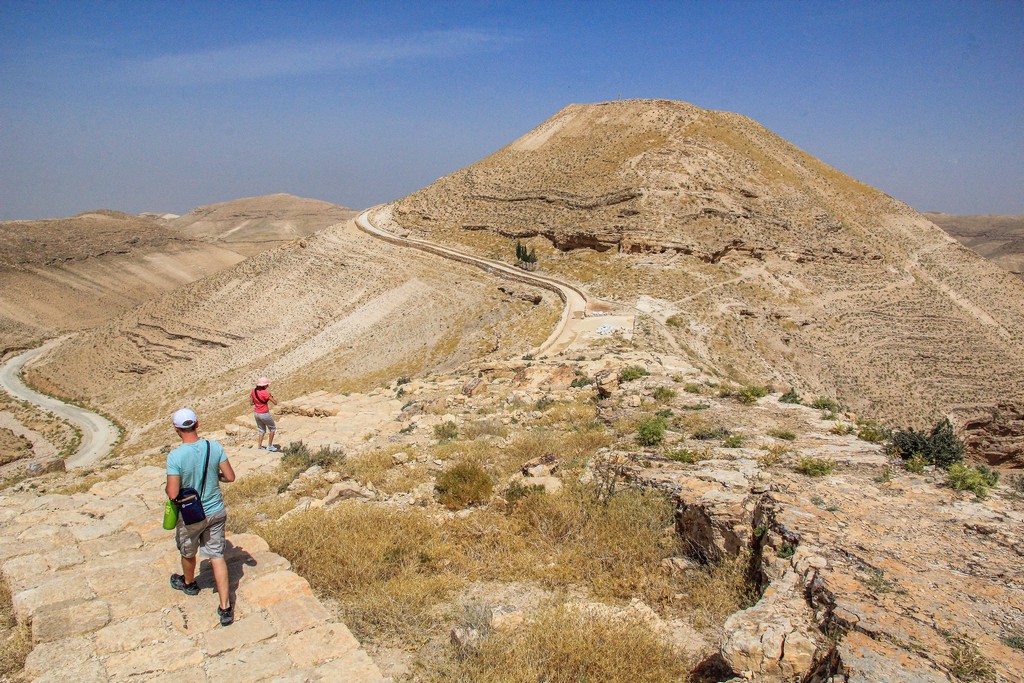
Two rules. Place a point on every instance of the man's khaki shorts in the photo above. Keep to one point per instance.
(206, 536)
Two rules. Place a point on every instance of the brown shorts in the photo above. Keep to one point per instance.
(206, 536)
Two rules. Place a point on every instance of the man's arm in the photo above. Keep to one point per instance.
(225, 472)
(173, 485)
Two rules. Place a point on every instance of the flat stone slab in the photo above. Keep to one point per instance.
(91, 572)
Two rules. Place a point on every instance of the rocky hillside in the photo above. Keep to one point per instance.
(72, 273)
(337, 309)
(998, 238)
(758, 261)
(254, 224)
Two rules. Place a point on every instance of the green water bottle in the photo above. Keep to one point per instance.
(170, 515)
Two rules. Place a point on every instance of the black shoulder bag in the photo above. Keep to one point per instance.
(190, 501)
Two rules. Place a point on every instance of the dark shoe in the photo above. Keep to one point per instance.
(178, 583)
(226, 615)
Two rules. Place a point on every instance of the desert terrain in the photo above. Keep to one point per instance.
(66, 274)
(998, 238)
(772, 266)
(671, 453)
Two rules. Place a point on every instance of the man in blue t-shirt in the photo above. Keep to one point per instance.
(185, 469)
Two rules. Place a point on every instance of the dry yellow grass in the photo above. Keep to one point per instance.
(253, 499)
(712, 593)
(15, 638)
(387, 568)
(562, 645)
(390, 568)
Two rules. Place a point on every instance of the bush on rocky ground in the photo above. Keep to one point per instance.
(301, 457)
(823, 403)
(748, 395)
(15, 639)
(628, 374)
(790, 397)
(815, 467)
(940, 447)
(978, 480)
(446, 431)
(651, 432)
(663, 394)
(464, 484)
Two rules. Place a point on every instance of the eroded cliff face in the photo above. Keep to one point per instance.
(771, 265)
(993, 433)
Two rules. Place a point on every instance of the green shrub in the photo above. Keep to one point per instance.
(693, 388)
(967, 662)
(664, 394)
(872, 432)
(940, 447)
(543, 403)
(709, 433)
(841, 428)
(822, 403)
(632, 372)
(686, 455)
(581, 382)
(402, 380)
(651, 432)
(749, 394)
(463, 484)
(733, 441)
(298, 455)
(783, 434)
(978, 480)
(915, 464)
(790, 397)
(696, 406)
(676, 320)
(517, 490)
(664, 412)
(815, 467)
(528, 356)
(446, 431)
(1014, 640)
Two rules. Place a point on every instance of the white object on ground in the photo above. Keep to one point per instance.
(605, 329)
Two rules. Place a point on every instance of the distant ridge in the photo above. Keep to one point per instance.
(254, 223)
(999, 238)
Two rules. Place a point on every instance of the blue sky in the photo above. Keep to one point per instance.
(164, 106)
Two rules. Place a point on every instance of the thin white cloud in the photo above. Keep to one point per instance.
(274, 59)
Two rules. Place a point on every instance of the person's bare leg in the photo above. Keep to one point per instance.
(270, 442)
(260, 444)
(188, 568)
(220, 577)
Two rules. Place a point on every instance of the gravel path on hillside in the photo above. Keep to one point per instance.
(98, 434)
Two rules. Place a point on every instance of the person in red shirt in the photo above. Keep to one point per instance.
(261, 399)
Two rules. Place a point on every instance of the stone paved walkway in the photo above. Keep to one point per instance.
(90, 571)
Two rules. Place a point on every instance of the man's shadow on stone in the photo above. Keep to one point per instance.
(238, 558)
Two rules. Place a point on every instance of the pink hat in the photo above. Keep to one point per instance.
(263, 382)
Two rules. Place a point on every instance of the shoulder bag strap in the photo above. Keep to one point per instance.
(206, 466)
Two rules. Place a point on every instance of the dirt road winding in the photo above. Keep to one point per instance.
(575, 300)
(98, 434)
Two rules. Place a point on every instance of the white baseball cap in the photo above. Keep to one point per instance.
(184, 418)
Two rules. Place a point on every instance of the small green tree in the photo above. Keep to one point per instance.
(940, 447)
